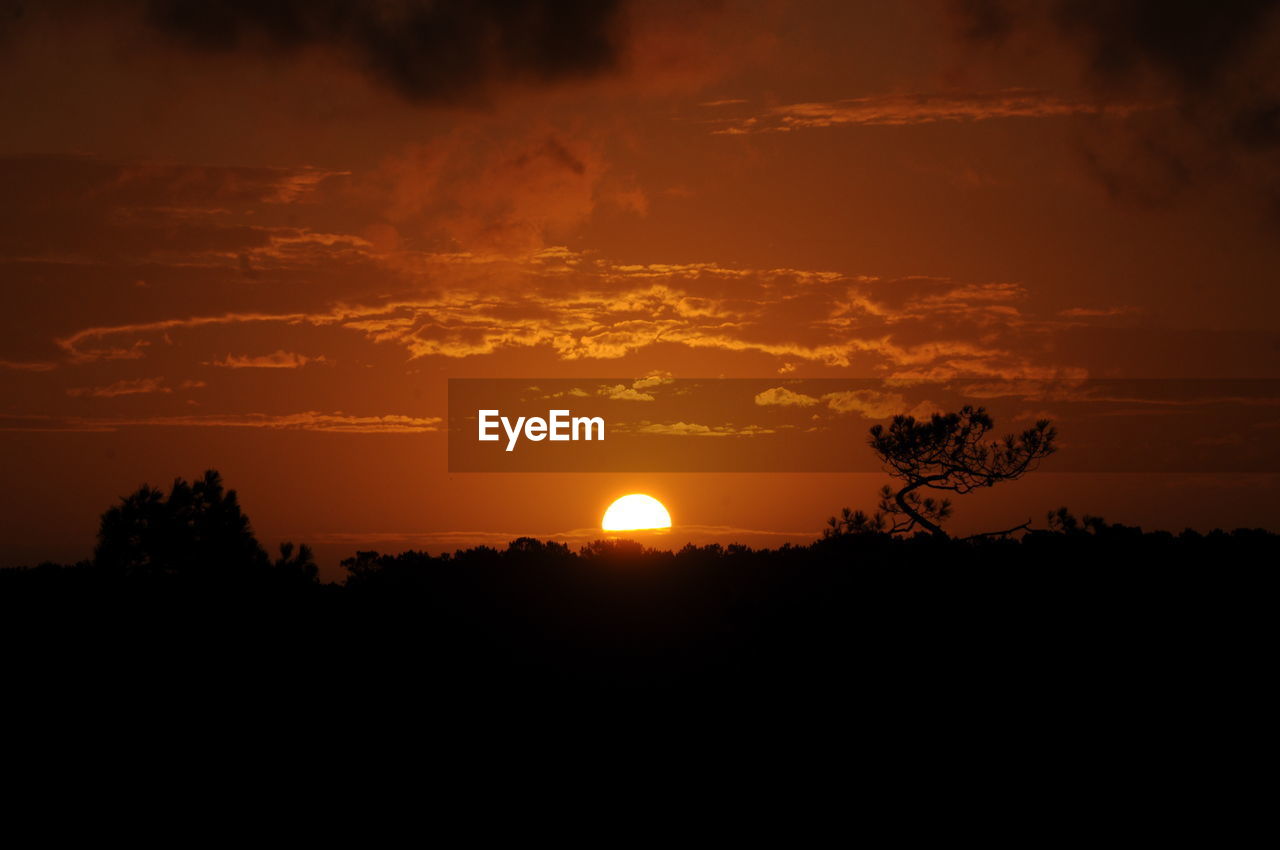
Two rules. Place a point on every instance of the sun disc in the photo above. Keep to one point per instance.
(635, 511)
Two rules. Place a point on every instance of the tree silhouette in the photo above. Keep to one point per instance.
(302, 563)
(854, 522)
(950, 452)
(1062, 521)
(196, 530)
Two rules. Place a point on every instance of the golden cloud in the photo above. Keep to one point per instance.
(694, 429)
(784, 397)
(585, 308)
(622, 392)
(278, 360)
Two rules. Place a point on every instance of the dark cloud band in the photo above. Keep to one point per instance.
(447, 50)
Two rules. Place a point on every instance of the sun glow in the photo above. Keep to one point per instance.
(635, 511)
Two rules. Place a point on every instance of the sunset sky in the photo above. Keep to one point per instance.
(261, 237)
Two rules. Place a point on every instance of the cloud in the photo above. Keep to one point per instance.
(636, 392)
(28, 365)
(1194, 45)
(1035, 416)
(81, 209)
(1213, 62)
(509, 289)
(873, 404)
(653, 379)
(445, 51)
(784, 397)
(583, 308)
(134, 386)
(1095, 312)
(510, 194)
(279, 360)
(921, 108)
(310, 420)
(573, 392)
(82, 346)
(693, 429)
(622, 392)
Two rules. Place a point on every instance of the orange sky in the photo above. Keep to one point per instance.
(263, 243)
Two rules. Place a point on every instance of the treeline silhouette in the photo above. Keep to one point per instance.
(181, 575)
(196, 537)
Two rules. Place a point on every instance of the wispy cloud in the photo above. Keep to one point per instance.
(310, 420)
(637, 391)
(622, 392)
(28, 365)
(130, 386)
(652, 380)
(870, 404)
(1096, 312)
(694, 429)
(278, 360)
(583, 308)
(921, 108)
(87, 345)
(573, 392)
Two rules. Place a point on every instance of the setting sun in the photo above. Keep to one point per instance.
(635, 511)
